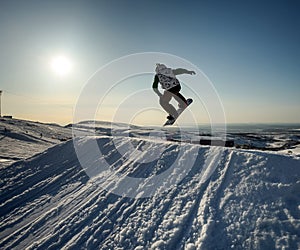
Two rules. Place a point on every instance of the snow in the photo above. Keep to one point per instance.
(20, 139)
(220, 198)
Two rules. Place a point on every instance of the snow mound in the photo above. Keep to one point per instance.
(230, 198)
(21, 139)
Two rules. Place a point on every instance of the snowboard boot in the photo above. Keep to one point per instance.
(189, 101)
(170, 117)
(184, 105)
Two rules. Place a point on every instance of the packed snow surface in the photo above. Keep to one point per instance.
(229, 199)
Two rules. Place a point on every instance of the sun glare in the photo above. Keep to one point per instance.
(61, 65)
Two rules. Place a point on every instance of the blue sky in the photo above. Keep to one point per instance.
(249, 50)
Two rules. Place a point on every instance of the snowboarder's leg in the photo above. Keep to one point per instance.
(182, 102)
(164, 101)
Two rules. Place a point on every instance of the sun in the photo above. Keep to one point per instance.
(61, 65)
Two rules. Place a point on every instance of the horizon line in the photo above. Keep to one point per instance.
(154, 125)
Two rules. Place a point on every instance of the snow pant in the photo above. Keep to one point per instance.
(166, 98)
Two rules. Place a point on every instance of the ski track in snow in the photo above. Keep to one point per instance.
(230, 199)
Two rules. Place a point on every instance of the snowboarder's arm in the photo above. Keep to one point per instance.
(155, 82)
(181, 71)
(155, 86)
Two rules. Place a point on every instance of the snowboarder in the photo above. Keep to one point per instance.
(167, 78)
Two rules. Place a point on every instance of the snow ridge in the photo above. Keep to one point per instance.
(228, 199)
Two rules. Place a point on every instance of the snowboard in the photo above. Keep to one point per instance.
(179, 112)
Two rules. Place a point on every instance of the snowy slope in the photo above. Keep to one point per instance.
(229, 199)
(20, 139)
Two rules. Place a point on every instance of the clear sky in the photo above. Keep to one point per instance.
(249, 50)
